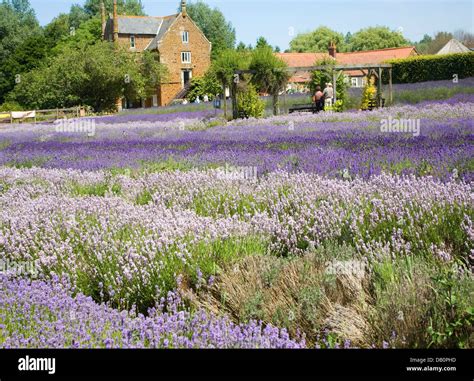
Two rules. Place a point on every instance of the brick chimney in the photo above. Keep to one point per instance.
(116, 29)
(332, 49)
(183, 8)
(102, 14)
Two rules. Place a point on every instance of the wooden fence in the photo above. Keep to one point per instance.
(42, 115)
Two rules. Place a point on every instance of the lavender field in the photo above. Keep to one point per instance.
(182, 230)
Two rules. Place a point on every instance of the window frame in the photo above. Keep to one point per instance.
(133, 41)
(186, 57)
(185, 37)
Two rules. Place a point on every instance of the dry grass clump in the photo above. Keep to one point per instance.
(301, 294)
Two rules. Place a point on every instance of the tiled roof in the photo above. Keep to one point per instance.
(354, 58)
(139, 25)
(166, 23)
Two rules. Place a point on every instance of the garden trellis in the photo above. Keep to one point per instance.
(371, 69)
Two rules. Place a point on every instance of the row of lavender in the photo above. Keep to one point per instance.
(129, 241)
(437, 140)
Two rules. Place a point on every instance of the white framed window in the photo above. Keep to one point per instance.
(132, 42)
(185, 37)
(354, 82)
(186, 57)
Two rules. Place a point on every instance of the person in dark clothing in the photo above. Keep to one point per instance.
(318, 99)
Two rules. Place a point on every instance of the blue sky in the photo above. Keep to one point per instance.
(277, 20)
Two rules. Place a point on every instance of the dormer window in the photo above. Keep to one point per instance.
(185, 37)
(132, 42)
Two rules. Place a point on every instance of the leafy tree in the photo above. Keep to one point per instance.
(277, 49)
(270, 74)
(57, 29)
(89, 33)
(224, 67)
(77, 15)
(94, 75)
(423, 45)
(17, 24)
(440, 39)
(379, 37)
(317, 41)
(126, 7)
(321, 77)
(214, 26)
(241, 47)
(262, 43)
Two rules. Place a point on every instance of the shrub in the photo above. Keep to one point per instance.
(10, 106)
(432, 68)
(207, 85)
(249, 103)
(369, 94)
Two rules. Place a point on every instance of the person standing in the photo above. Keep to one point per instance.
(318, 98)
(328, 95)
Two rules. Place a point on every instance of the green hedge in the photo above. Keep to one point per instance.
(432, 68)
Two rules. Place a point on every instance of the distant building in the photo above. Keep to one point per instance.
(357, 78)
(454, 46)
(180, 44)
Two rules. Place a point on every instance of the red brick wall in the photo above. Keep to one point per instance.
(170, 50)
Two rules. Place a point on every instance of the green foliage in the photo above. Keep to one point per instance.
(317, 41)
(379, 37)
(124, 7)
(369, 94)
(213, 24)
(206, 85)
(451, 323)
(270, 74)
(227, 62)
(11, 106)
(432, 68)
(249, 103)
(17, 24)
(94, 75)
(430, 45)
(321, 77)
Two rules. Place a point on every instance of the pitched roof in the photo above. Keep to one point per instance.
(454, 46)
(374, 56)
(301, 59)
(354, 58)
(139, 25)
(164, 26)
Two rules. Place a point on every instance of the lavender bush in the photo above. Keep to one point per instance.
(43, 315)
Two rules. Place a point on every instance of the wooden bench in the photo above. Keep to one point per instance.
(300, 108)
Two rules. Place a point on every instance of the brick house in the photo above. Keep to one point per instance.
(356, 78)
(181, 46)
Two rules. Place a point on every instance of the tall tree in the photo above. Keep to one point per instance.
(269, 75)
(262, 43)
(17, 24)
(379, 37)
(127, 7)
(214, 25)
(317, 41)
(224, 66)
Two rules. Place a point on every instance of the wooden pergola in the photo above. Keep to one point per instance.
(376, 69)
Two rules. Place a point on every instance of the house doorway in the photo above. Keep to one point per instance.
(186, 77)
